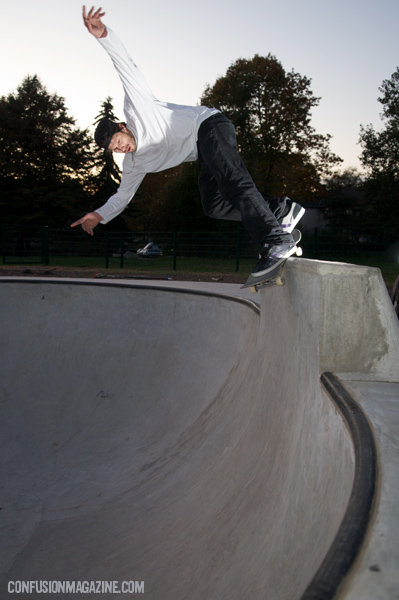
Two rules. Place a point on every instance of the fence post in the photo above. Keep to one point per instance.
(122, 247)
(315, 242)
(174, 250)
(45, 246)
(106, 250)
(3, 242)
(238, 248)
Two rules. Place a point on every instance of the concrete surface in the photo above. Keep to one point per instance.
(377, 574)
(185, 440)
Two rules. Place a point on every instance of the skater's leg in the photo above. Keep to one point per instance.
(287, 212)
(218, 151)
(277, 205)
(218, 208)
(213, 204)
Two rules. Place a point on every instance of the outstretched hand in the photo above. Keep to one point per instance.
(92, 21)
(88, 222)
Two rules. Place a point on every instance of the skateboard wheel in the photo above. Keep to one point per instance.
(299, 251)
(279, 280)
(254, 289)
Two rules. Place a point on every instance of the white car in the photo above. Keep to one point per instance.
(151, 250)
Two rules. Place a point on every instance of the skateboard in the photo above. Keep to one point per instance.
(273, 277)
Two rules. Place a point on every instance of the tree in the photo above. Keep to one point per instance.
(381, 149)
(271, 110)
(43, 157)
(151, 207)
(380, 157)
(106, 173)
(345, 203)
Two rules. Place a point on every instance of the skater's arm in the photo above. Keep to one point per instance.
(129, 185)
(136, 88)
(115, 205)
(92, 21)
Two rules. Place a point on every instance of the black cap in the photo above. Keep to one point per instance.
(104, 132)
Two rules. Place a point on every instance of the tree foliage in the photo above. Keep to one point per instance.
(271, 109)
(169, 201)
(380, 157)
(344, 201)
(106, 174)
(380, 153)
(43, 157)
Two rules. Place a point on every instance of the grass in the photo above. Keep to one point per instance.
(197, 267)
(157, 265)
(187, 268)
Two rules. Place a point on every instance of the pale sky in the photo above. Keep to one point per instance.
(346, 47)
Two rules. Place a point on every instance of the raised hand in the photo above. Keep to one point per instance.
(92, 21)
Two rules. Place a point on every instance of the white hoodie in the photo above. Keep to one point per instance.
(165, 134)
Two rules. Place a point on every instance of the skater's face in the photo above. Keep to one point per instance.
(123, 141)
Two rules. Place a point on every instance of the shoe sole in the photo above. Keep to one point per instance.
(264, 273)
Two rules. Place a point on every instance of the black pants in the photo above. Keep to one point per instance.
(226, 187)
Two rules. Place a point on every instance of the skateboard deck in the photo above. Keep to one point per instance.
(274, 276)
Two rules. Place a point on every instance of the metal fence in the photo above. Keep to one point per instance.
(28, 245)
(42, 245)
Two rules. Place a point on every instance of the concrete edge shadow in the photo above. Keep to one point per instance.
(341, 557)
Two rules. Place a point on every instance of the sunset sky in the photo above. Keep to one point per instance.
(347, 48)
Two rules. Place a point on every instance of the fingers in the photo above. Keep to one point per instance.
(89, 16)
(98, 14)
(87, 228)
(85, 225)
(93, 15)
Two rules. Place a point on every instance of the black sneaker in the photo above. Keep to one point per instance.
(271, 257)
(295, 213)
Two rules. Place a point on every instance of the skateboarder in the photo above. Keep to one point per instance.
(159, 135)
